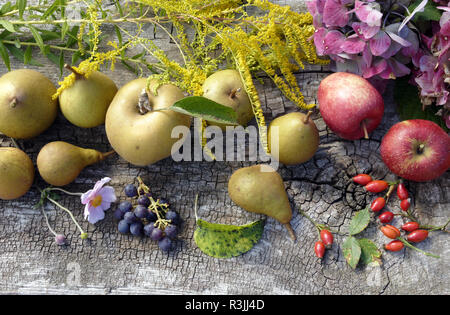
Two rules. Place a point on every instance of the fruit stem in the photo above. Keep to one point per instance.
(291, 231)
(46, 221)
(106, 154)
(389, 192)
(78, 75)
(13, 103)
(233, 92)
(308, 115)
(364, 127)
(420, 148)
(64, 191)
(401, 239)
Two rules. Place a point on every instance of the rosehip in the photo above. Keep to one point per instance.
(386, 217)
(319, 249)
(326, 237)
(376, 186)
(405, 204)
(390, 231)
(394, 246)
(378, 204)
(410, 226)
(402, 193)
(417, 236)
(362, 179)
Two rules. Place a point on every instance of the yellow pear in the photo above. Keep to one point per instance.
(226, 88)
(59, 163)
(260, 189)
(85, 102)
(26, 105)
(298, 137)
(16, 173)
(143, 136)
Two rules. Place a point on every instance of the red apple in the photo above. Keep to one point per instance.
(417, 149)
(350, 106)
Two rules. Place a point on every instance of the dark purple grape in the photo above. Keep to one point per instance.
(165, 244)
(173, 216)
(143, 201)
(129, 217)
(118, 214)
(148, 229)
(156, 235)
(171, 231)
(141, 212)
(125, 206)
(130, 190)
(123, 227)
(151, 216)
(136, 228)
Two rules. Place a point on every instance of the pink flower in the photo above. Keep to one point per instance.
(335, 13)
(368, 13)
(98, 200)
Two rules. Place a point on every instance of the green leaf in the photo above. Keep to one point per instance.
(409, 106)
(201, 107)
(226, 241)
(37, 38)
(7, 7)
(5, 56)
(352, 251)
(8, 26)
(429, 13)
(61, 63)
(51, 9)
(21, 5)
(370, 254)
(359, 221)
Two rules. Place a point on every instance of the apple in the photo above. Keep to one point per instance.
(417, 150)
(350, 106)
(144, 136)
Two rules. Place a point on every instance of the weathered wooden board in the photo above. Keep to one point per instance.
(111, 263)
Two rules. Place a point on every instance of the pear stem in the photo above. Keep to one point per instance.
(308, 115)
(364, 127)
(13, 103)
(290, 231)
(233, 92)
(106, 154)
(78, 75)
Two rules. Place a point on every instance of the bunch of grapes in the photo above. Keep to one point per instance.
(145, 216)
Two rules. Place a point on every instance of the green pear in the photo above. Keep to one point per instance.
(226, 87)
(26, 105)
(298, 138)
(85, 102)
(16, 173)
(260, 189)
(142, 135)
(59, 162)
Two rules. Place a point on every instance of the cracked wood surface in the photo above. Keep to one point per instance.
(112, 263)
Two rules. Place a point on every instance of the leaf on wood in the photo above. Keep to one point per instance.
(21, 5)
(352, 251)
(5, 56)
(409, 106)
(370, 254)
(37, 38)
(359, 221)
(204, 108)
(8, 26)
(226, 241)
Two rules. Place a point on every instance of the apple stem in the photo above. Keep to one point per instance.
(144, 103)
(233, 92)
(420, 148)
(308, 115)
(78, 75)
(364, 127)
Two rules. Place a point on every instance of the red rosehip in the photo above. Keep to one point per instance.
(402, 193)
(362, 179)
(405, 204)
(390, 231)
(410, 226)
(326, 237)
(378, 204)
(376, 186)
(394, 246)
(417, 236)
(319, 249)
(386, 217)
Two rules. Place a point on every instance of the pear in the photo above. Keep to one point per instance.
(138, 127)
(226, 87)
(26, 105)
(16, 173)
(59, 162)
(260, 189)
(85, 102)
(298, 138)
